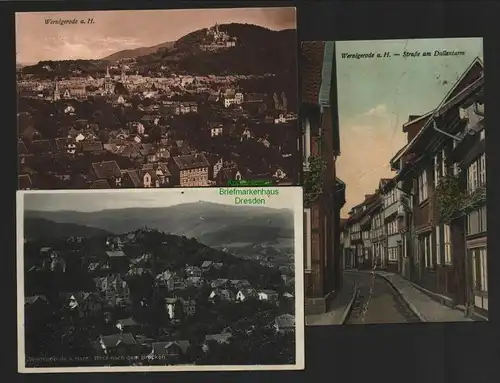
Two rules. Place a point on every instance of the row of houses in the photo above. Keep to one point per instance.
(128, 340)
(428, 222)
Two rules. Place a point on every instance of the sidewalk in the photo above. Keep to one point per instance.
(338, 308)
(424, 307)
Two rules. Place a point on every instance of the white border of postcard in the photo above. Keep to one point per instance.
(291, 193)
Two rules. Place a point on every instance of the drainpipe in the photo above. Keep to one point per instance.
(477, 111)
(457, 138)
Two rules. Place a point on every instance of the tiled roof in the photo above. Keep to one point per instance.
(111, 341)
(191, 161)
(100, 184)
(127, 322)
(41, 146)
(134, 177)
(106, 169)
(220, 338)
(161, 348)
(91, 146)
(62, 143)
(311, 67)
(285, 321)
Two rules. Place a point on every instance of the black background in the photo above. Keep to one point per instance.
(406, 353)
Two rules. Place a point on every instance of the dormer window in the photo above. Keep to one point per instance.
(463, 113)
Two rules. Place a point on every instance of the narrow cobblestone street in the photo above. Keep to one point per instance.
(377, 302)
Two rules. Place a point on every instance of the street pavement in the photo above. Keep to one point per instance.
(426, 308)
(378, 302)
(338, 308)
(382, 297)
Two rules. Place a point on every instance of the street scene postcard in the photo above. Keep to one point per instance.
(199, 279)
(157, 98)
(413, 227)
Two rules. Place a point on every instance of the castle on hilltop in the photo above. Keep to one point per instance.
(215, 39)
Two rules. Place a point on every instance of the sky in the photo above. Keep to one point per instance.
(113, 31)
(376, 96)
(89, 200)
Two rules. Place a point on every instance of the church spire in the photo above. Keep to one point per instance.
(57, 95)
(107, 71)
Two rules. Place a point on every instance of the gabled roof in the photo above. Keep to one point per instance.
(413, 119)
(220, 338)
(311, 69)
(115, 254)
(41, 146)
(191, 161)
(106, 169)
(91, 146)
(463, 81)
(127, 322)
(161, 348)
(115, 340)
(134, 177)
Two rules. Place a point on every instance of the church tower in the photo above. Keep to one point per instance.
(284, 101)
(108, 84)
(276, 102)
(123, 76)
(57, 94)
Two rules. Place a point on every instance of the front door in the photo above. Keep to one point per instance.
(479, 274)
(400, 257)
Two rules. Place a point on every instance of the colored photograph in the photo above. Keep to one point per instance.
(413, 226)
(157, 98)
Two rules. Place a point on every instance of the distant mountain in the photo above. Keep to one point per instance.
(133, 53)
(210, 223)
(41, 228)
(258, 51)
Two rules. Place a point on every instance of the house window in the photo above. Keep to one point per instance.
(447, 244)
(307, 239)
(438, 245)
(472, 177)
(436, 168)
(482, 170)
(393, 254)
(392, 227)
(306, 142)
(422, 186)
(476, 221)
(480, 269)
(483, 268)
(426, 251)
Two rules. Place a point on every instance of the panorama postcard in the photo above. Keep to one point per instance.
(157, 98)
(199, 279)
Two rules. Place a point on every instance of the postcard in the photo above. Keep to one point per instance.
(411, 244)
(157, 98)
(196, 279)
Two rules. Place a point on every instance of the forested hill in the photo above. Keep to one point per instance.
(170, 252)
(258, 51)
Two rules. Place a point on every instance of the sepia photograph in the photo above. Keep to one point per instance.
(157, 98)
(197, 279)
(411, 156)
